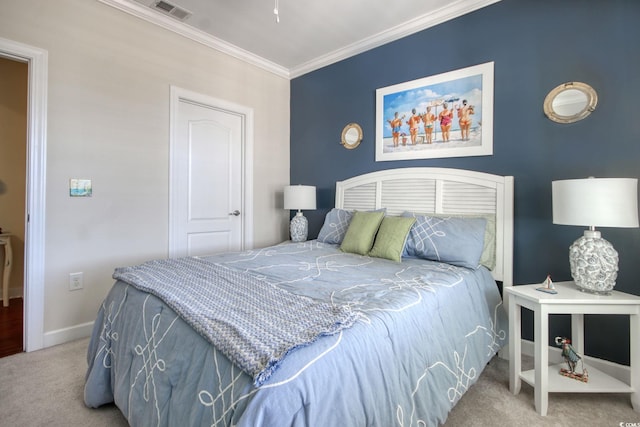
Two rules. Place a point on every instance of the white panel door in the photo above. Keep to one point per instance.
(208, 153)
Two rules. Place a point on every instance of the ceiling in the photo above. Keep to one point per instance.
(310, 34)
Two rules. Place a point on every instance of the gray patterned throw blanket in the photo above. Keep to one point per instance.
(254, 323)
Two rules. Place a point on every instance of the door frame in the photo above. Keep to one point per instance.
(179, 95)
(37, 60)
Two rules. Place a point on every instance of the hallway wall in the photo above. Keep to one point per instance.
(13, 152)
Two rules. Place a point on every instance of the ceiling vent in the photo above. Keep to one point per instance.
(171, 10)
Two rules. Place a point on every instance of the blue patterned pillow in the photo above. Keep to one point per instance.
(488, 257)
(457, 241)
(335, 226)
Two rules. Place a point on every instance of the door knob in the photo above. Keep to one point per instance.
(235, 213)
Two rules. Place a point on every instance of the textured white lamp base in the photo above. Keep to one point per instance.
(594, 263)
(299, 228)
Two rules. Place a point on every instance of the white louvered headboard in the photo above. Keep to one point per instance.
(438, 190)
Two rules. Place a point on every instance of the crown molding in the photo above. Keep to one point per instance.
(445, 13)
(149, 15)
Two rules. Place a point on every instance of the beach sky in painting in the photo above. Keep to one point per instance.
(453, 92)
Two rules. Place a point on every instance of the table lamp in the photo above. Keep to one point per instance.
(595, 202)
(299, 197)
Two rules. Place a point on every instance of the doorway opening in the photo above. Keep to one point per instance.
(13, 153)
(34, 190)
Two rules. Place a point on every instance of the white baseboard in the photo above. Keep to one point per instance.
(620, 372)
(72, 333)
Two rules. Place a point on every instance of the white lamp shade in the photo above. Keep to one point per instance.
(601, 202)
(299, 197)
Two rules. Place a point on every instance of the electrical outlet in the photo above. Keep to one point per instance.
(75, 281)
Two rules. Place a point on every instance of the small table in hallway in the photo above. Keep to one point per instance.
(5, 241)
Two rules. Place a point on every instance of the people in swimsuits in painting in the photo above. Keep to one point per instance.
(413, 123)
(445, 117)
(428, 119)
(396, 125)
(464, 119)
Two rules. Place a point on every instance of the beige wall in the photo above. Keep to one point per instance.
(13, 151)
(108, 120)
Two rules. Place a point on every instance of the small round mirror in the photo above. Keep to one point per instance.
(351, 136)
(570, 102)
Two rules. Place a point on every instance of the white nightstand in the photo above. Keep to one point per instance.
(568, 300)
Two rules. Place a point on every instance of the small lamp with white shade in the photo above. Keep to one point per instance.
(595, 202)
(299, 197)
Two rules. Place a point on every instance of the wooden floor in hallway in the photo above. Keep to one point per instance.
(11, 321)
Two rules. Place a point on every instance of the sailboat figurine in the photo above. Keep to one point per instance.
(547, 286)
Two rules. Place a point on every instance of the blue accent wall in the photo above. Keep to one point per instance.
(535, 45)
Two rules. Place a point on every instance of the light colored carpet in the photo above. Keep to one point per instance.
(490, 403)
(44, 388)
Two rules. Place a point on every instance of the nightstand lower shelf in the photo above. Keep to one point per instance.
(599, 382)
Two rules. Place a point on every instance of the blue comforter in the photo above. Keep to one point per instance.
(425, 333)
(255, 324)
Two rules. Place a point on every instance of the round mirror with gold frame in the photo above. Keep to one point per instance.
(570, 102)
(351, 136)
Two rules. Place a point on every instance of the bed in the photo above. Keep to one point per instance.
(384, 341)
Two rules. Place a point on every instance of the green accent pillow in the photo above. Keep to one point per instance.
(361, 232)
(392, 236)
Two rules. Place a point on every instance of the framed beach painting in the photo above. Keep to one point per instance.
(445, 115)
